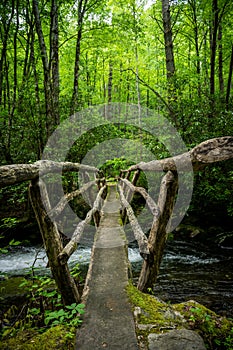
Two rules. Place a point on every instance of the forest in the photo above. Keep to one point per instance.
(60, 58)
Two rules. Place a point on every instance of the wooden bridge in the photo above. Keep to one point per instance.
(108, 320)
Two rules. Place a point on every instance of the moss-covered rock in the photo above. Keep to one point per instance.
(56, 338)
(155, 316)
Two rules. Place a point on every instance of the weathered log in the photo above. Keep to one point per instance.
(210, 151)
(70, 248)
(158, 233)
(15, 173)
(135, 178)
(53, 213)
(150, 202)
(213, 150)
(138, 233)
(52, 243)
(129, 193)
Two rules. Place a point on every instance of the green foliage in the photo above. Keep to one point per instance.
(43, 310)
(9, 223)
(12, 243)
(216, 331)
(111, 168)
(213, 189)
(66, 316)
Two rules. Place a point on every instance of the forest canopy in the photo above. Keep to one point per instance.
(59, 57)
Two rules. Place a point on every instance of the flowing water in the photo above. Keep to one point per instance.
(189, 270)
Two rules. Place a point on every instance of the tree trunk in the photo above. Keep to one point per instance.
(54, 61)
(193, 6)
(82, 5)
(229, 80)
(213, 45)
(6, 23)
(168, 40)
(52, 243)
(110, 74)
(220, 61)
(169, 53)
(50, 66)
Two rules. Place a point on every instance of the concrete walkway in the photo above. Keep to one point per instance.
(108, 321)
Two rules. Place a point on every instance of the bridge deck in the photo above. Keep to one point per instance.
(108, 320)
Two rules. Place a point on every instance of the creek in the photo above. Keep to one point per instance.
(189, 270)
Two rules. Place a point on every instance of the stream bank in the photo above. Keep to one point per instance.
(189, 270)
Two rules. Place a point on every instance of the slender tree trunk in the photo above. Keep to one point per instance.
(229, 80)
(50, 66)
(38, 111)
(110, 77)
(168, 39)
(15, 62)
(103, 80)
(169, 53)
(193, 6)
(54, 61)
(6, 23)
(220, 61)
(88, 81)
(82, 5)
(213, 45)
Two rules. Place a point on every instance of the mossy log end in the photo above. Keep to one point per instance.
(210, 151)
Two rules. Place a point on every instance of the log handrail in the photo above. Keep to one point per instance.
(207, 152)
(15, 173)
(138, 233)
(69, 249)
(67, 198)
(149, 200)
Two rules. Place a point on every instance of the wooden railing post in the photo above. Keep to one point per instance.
(158, 234)
(52, 242)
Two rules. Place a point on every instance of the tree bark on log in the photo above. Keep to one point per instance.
(210, 151)
(72, 245)
(129, 193)
(149, 201)
(15, 173)
(54, 212)
(158, 234)
(52, 243)
(138, 233)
